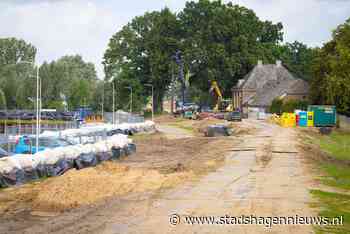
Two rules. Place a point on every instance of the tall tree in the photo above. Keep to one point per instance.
(68, 77)
(298, 58)
(224, 41)
(15, 76)
(141, 53)
(331, 71)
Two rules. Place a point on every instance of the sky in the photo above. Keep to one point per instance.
(68, 27)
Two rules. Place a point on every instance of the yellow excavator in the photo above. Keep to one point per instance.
(221, 104)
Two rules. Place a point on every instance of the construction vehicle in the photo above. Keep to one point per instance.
(222, 105)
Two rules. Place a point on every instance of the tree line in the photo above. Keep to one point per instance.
(330, 82)
(67, 83)
(218, 41)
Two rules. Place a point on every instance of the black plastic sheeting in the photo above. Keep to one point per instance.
(217, 130)
(21, 176)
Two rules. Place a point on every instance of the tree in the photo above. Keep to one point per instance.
(16, 77)
(224, 41)
(219, 42)
(68, 77)
(140, 53)
(298, 58)
(331, 71)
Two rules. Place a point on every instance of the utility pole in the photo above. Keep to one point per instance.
(172, 90)
(37, 111)
(150, 85)
(103, 99)
(113, 98)
(130, 88)
(179, 62)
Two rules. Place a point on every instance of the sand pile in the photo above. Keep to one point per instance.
(86, 187)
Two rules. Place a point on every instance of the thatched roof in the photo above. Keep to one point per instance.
(271, 81)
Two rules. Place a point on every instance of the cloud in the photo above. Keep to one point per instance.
(310, 22)
(61, 27)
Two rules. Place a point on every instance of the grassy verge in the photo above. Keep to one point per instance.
(337, 145)
(333, 205)
(335, 170)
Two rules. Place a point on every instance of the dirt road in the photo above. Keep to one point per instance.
(263, 175)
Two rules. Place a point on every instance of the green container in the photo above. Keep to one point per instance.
(324, 116)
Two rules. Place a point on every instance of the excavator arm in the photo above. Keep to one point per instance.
(215, 89)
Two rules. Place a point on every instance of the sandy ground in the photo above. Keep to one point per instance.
(259, 172)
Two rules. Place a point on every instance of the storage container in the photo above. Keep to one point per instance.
(303, 119)
(310, 118)
(324, 116)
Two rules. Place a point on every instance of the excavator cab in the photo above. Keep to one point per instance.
(221, 104)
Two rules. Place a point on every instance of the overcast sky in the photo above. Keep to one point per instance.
(67, 27)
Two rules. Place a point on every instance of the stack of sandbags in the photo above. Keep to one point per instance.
(20, 169)
(125, 128)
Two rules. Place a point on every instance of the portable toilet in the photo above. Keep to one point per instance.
(303, 119)
(310, 118)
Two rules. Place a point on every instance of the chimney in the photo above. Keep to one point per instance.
(278, 63)
(260, 63)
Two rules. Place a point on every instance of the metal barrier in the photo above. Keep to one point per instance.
(123, 117)
(30, 129)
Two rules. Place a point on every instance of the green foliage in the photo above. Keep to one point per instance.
(276, 106)
(223, 42)
(298, 58)
(140, 53)
(15, 76)
(219, 41)
(290, 106)
(68, 78)
(331, 69)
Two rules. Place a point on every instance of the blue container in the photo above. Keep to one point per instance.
(303, 119)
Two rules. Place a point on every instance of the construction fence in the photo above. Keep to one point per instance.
(123, 117)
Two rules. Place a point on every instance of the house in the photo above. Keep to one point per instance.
(265, 83)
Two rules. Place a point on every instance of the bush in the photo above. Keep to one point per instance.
(276, 106)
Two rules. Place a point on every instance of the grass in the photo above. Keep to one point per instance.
(333, 205)
(337, 145)
(336, 174)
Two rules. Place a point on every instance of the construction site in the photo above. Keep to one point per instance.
(187, 116)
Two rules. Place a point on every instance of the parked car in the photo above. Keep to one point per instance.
(234, 116)
(3, 115)
(26, 145)
(28, 116)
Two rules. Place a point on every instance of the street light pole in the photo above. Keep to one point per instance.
(113, 98)
(130, 88)
(150, 85)
(38, 112)
(130, 100)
